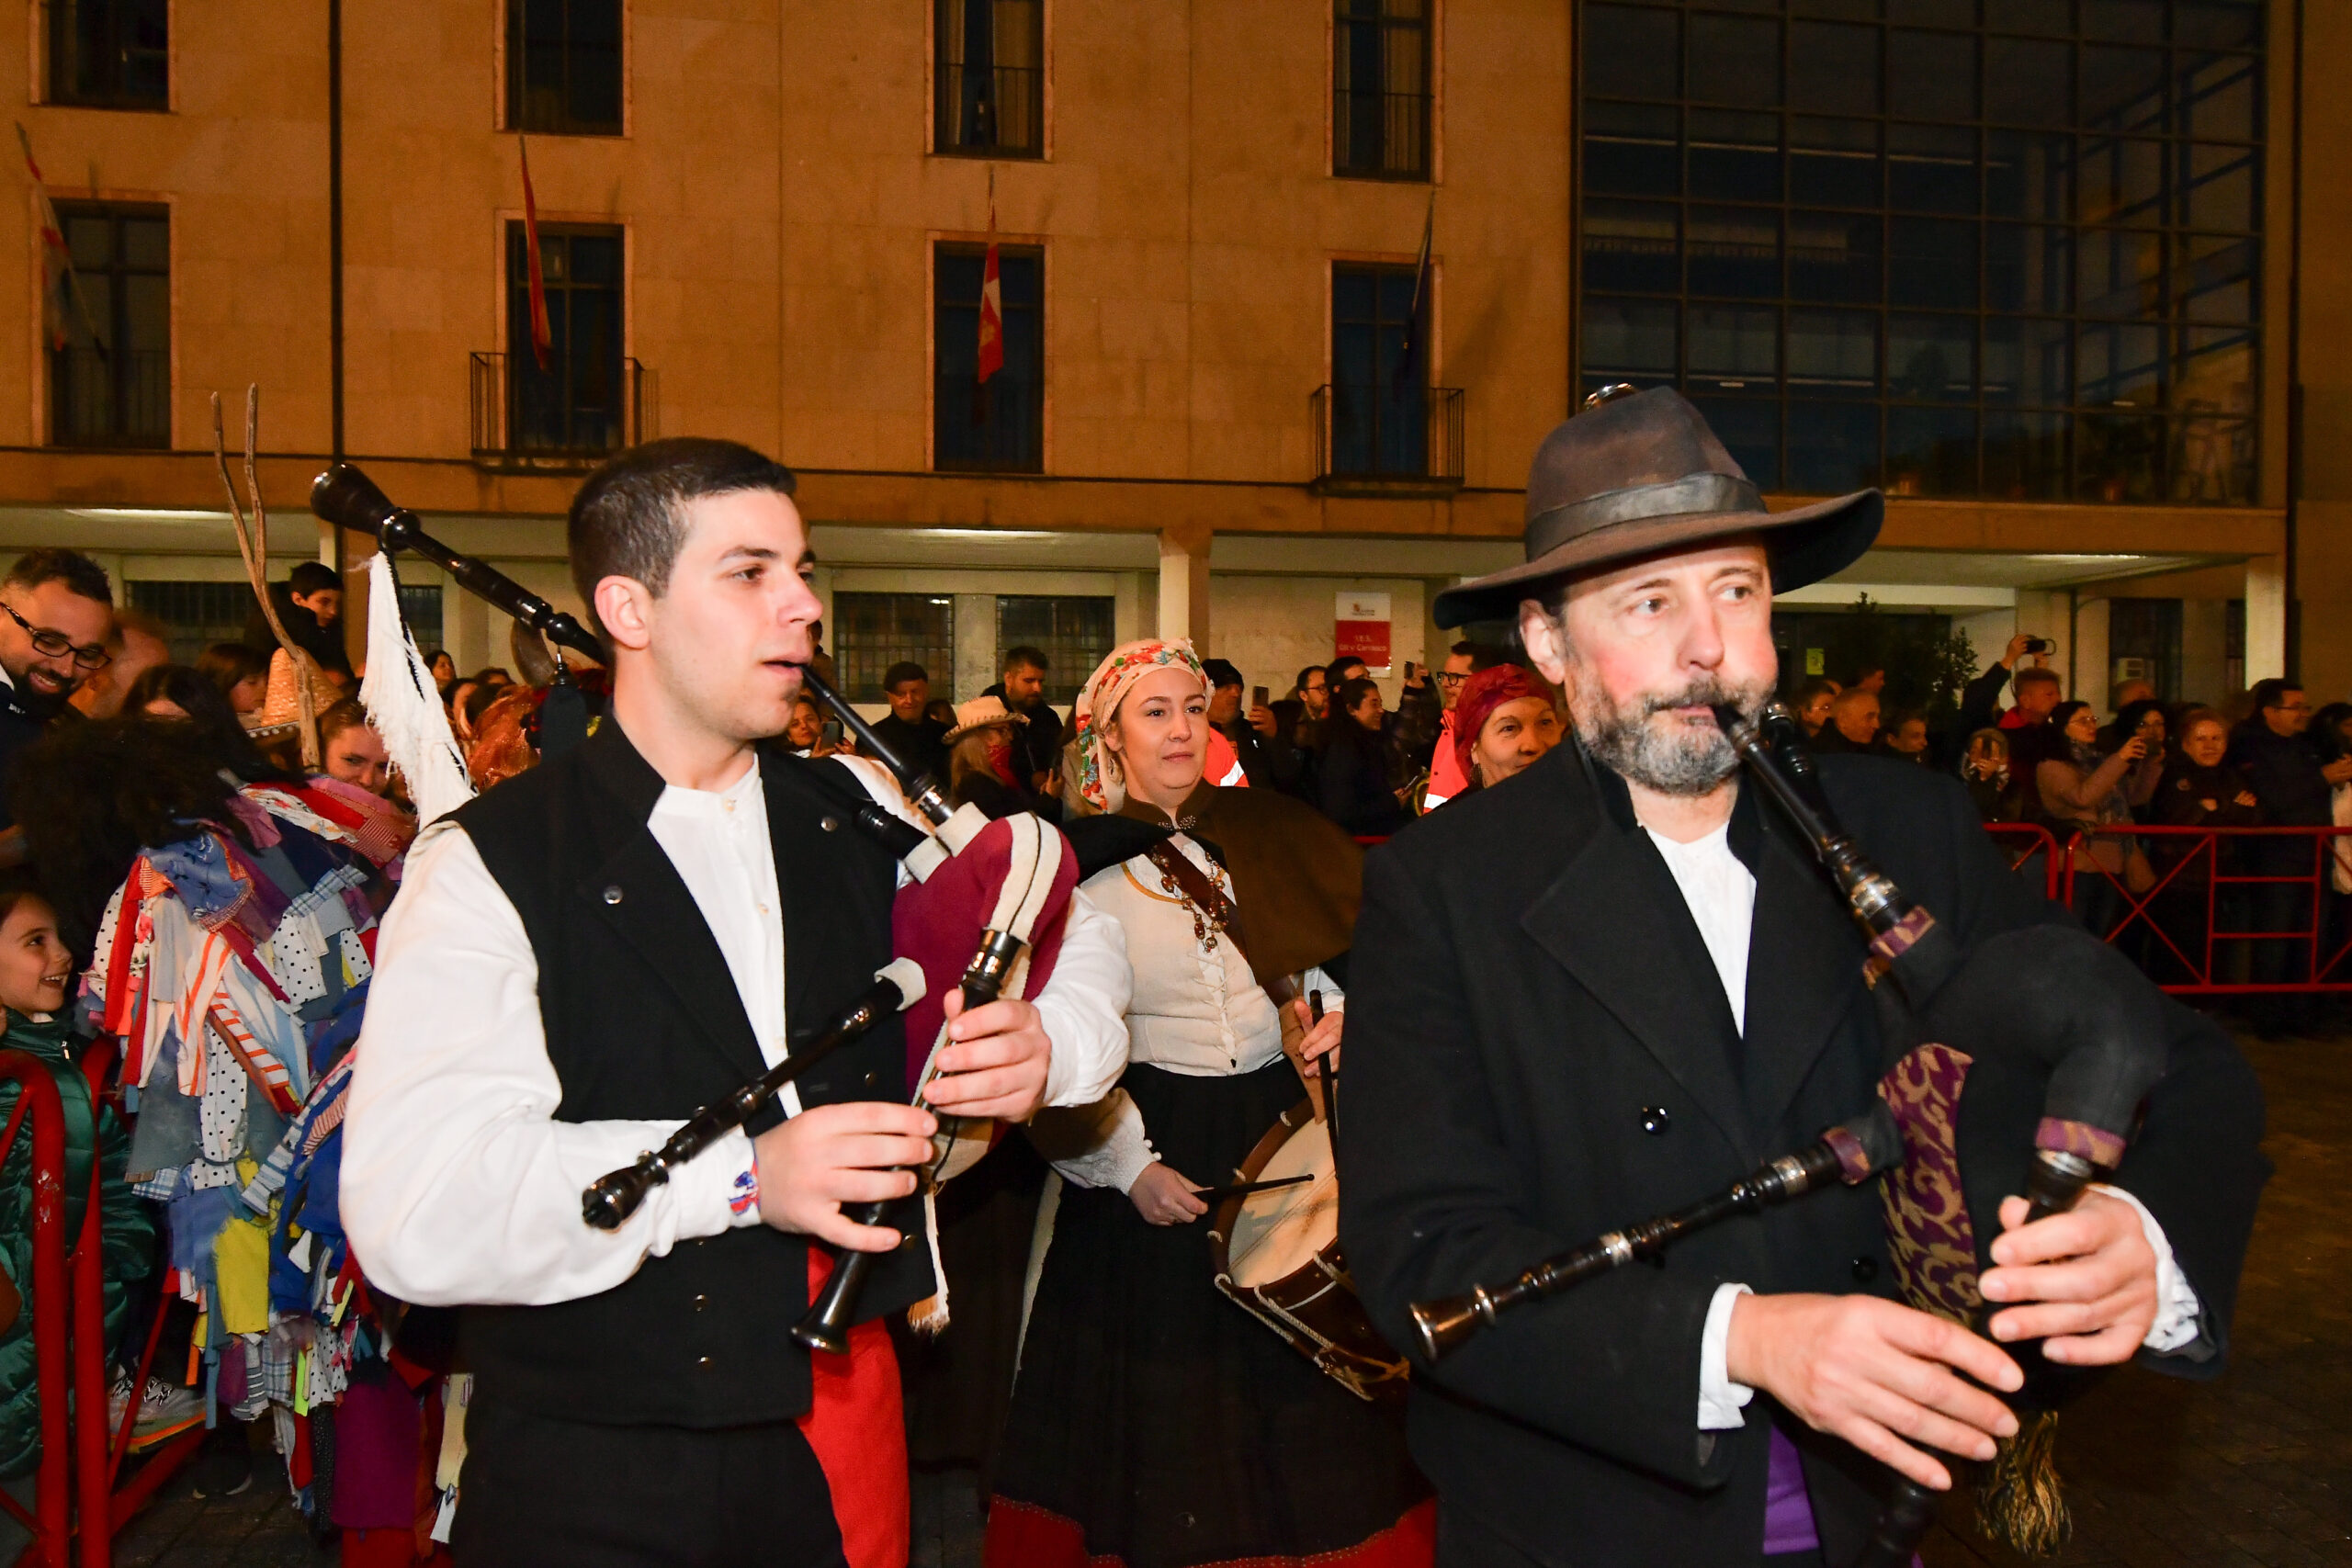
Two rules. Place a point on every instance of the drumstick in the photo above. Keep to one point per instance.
(1244, 1188)
(1329, 1070)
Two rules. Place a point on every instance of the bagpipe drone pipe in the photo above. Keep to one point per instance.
(983, 912)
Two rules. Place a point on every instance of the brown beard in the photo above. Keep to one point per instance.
(1674, 759)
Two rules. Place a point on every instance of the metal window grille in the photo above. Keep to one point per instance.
(874, 631)
(111, 384)
(1378, 418)
(113, 54)
(2014, 255)
(421, 607)
(1380, 89)
(988, 78)
(197, 615)
(1071, 631)
(563, 67)
(590, 398)
(997, 426)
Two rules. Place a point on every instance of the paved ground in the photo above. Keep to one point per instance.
(2253, 1470)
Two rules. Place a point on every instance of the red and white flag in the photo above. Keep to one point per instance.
(542, 340)
(58, 278)
(991, 309)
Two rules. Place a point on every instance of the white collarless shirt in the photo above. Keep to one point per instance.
(718, 841)
(1721, 893)
(458, 1185)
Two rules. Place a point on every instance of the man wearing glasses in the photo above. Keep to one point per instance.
(59, 628)
(1446, 777)
(2294, 788)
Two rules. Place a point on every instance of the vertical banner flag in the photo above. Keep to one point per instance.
(542, 339)
(1408, 356)
(58, 277)
(1360, 626)
(992, 300)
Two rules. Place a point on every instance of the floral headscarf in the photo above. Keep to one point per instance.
(1481, 695)
(1098, 771)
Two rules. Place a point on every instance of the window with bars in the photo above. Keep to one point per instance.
(2002, 248)
(988, 78)
(1381, 89)
(197, 615)
(110, 54)
(1072, 631)
(997, 425)
(563, 67)
(873, 631)
(421, 607)
(110, 385)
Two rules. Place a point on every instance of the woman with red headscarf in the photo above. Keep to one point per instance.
(1504, 719)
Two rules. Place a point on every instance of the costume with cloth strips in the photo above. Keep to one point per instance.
(584, 955)
(1565, 1019)
(235, 964)
(1154, 1422)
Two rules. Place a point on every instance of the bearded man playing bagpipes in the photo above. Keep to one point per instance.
(1619, 982)
(587, 954)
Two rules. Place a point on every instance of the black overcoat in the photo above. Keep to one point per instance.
(1540, 1051)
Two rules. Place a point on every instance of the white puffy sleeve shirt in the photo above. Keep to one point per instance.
(459, 1187)
(1196, 1009)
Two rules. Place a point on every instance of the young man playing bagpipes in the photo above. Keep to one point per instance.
(1618, 983)
(585, 955)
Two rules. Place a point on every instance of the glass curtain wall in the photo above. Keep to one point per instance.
(1999, 248)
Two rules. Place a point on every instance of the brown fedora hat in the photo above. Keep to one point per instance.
(1641, 473)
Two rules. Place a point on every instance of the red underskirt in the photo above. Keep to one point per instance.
(856, 1423)
(1021, 1536)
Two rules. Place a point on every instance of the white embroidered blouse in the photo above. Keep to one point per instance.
(1196, 1009)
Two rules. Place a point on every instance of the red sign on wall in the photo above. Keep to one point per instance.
(1360, 628)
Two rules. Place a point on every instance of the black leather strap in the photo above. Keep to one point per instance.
(1547, 531)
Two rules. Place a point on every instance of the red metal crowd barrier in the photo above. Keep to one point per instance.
(2023, 841)
(75, 1510)
(2195, 890)
(2190, 896)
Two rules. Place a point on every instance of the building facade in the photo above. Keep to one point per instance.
(1283, 297)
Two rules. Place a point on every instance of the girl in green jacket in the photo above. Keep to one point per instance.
(36, 974)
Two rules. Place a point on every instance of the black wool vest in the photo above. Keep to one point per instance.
(643, 1022)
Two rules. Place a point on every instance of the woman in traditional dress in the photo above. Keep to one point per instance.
(1155, 1424)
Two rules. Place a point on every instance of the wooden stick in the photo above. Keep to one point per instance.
(253, 544)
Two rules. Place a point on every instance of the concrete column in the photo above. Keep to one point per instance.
(975, 669)
(1133, 607)
(2204, 651)
(465, 626)
(1184, 587)
(2042, 612)
(2266, 617)
(2088, 660)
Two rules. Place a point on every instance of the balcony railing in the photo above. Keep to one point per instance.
(572, 416)
(122, 398)
(1384, 439)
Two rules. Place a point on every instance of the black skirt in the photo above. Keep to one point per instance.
(1157, 1421)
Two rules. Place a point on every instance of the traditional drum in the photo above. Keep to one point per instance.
(1277, 1254)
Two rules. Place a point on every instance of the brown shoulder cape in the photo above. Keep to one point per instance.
(1297, 876)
